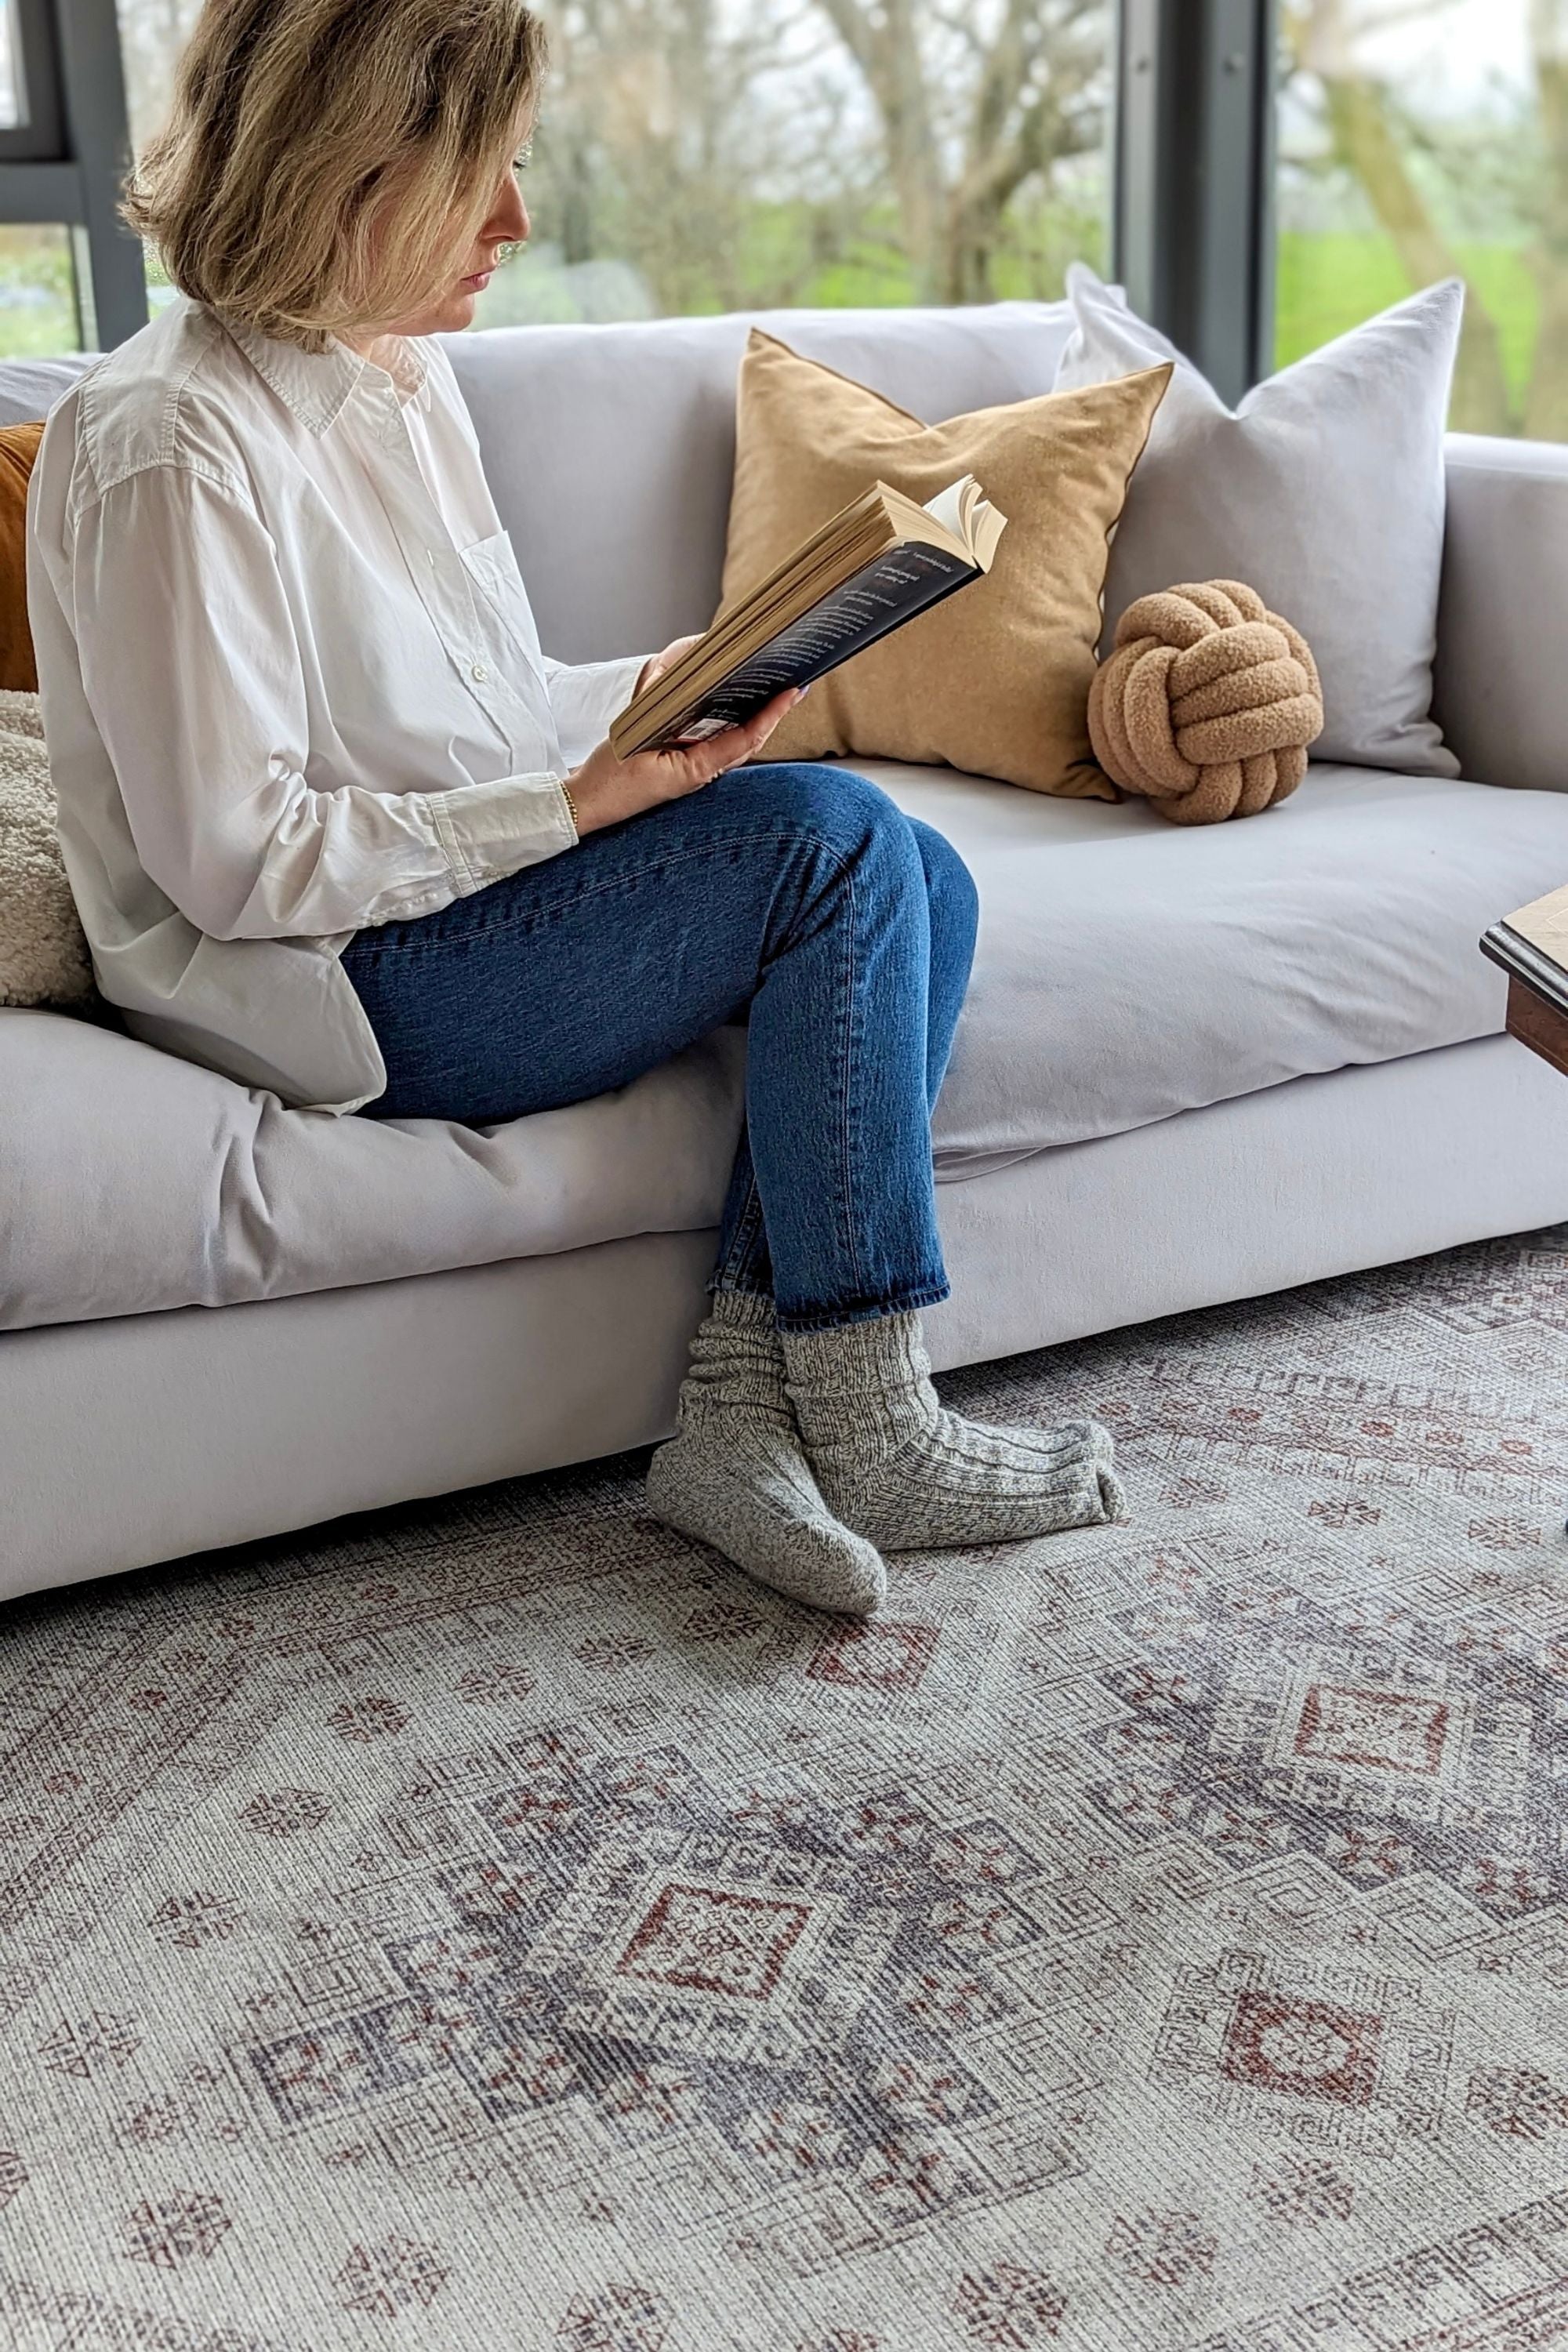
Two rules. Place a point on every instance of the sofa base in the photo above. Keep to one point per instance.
(152, 1437)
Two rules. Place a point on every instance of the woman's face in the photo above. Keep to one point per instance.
(505, 224)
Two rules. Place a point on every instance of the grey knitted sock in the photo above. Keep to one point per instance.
(910, 1476)
(734, 1474)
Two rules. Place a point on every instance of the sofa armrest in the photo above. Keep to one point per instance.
(1501, 696)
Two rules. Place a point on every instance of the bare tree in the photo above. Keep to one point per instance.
(1546, 401)
(970, 112)
(732, 152)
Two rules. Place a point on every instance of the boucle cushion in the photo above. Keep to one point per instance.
(43, 955)
(1208, 703)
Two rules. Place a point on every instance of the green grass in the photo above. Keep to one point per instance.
(38, 295)
(1329, 283)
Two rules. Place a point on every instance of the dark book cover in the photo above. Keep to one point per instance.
(879, 598)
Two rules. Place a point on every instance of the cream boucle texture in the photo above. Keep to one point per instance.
(43, 955)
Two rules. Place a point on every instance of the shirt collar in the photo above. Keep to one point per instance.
(317, 386)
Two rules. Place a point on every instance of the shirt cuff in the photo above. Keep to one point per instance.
(488, 831)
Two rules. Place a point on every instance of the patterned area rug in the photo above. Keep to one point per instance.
(497, 1926)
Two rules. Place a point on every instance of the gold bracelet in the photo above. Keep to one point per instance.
(570, 806)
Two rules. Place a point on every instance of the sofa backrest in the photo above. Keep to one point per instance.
(1502, 678)
(610, 450)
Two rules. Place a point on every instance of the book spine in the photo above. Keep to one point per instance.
(880, 597)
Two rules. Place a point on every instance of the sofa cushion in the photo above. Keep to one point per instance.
(996, 680)
(1323, 491)
(29, 388)
(130, 1180)
(1128, 969)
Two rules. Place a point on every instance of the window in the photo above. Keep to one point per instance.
(724, 154)
(151, 35)
(1420, 140)
(70, 272)
(38, 308)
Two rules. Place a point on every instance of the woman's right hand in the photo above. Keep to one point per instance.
(606, 790)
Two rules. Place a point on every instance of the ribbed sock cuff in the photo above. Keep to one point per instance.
(887, 1357)
(742, 1310)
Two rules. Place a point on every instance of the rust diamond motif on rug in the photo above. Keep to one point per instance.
(710, 1941)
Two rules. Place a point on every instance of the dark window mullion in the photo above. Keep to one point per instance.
(92, 79)
(40, 135)
(1194, 143)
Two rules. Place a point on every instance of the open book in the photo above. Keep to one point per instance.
(881, 560)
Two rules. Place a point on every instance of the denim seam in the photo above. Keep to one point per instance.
(847, 1132)
(749, 1226)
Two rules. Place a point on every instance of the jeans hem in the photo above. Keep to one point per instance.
(876, 1310)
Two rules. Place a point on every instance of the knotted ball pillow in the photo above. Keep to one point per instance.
(1207, 703)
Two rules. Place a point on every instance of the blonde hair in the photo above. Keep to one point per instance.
(325, 160)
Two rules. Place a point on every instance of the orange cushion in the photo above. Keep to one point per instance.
(18, 453)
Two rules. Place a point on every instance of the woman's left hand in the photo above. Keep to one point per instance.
(657, 664)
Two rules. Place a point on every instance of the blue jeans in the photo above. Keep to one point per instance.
(798, 897)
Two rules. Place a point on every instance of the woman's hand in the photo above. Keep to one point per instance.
(657, 664)
(606, 790)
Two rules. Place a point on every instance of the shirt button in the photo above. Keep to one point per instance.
(478, 673)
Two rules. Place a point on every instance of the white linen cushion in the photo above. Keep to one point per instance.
(130, 1181)
(1324, 491)
(29, 388)
(1127, 970)
(610, 449)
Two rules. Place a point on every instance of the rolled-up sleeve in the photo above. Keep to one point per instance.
(206, 724)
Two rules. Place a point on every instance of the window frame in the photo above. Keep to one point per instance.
(1194, 142)
(66, 161)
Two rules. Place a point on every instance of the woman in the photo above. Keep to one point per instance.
(337, 827)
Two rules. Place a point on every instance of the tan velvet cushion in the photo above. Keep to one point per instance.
(996, 678)
(18, 452)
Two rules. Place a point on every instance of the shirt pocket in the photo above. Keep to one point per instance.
(491, 565)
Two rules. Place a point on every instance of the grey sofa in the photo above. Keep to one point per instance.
(1194, 1065)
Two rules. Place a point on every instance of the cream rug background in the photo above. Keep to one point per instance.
(497, 1926)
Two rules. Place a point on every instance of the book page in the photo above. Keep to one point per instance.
(964, 509)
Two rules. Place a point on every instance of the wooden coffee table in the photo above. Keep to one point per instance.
(1531, 945)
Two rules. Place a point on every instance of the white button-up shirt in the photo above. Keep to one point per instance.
(291, 685)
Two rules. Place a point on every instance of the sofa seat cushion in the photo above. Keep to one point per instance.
(130, 1181)
(1128, 969)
